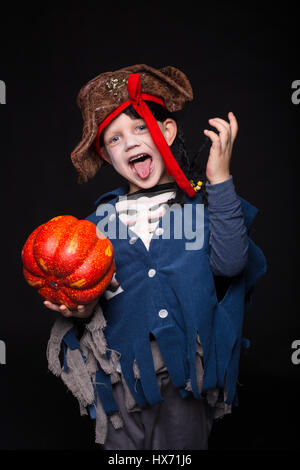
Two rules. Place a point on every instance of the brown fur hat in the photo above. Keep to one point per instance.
(104, 93)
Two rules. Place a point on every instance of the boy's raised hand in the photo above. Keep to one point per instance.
(83, 311)
(217, 168)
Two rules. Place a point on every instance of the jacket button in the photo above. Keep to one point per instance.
(159, 231)
(132, 240)
(151, 272)
(163, 313)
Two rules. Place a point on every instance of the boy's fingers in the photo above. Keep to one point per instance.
(212, 135)
(222, 122)
(65, 311)
(85, 311)
(51, 306)
(82, 311)
(234, 125)
(59, 308)
(224, 131)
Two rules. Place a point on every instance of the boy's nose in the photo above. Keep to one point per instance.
(131, 141)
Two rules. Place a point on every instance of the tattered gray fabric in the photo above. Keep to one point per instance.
(80, 376)
(83, 363)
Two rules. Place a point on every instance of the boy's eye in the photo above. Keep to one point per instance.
(114, 139)
(142, 127)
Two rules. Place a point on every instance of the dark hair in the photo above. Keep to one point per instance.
(193, 168)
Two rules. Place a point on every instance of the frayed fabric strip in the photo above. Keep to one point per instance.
(77, 378)
(58, 331)
(94, 340)
(101, 423)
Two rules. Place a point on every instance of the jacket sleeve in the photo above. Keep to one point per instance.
(228, 232)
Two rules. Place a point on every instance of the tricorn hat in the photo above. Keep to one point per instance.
(105, 96)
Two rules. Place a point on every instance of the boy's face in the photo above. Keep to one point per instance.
(129, 147)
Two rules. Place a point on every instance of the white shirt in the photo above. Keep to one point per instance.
(142, 213)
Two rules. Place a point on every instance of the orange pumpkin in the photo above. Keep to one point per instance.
(68, 261)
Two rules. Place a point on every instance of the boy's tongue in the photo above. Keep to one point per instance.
(143, 168)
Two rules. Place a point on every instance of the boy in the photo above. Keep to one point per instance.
(165, 361)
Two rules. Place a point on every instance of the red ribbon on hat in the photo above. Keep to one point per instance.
(137, 100)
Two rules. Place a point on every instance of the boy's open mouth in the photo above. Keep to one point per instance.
(141, 165)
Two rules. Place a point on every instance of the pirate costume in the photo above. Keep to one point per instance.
(158, 360)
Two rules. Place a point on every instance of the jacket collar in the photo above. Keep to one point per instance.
(121, 191)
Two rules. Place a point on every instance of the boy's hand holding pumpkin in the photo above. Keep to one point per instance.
(82, 311)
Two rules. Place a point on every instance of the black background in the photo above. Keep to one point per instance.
(239, 58)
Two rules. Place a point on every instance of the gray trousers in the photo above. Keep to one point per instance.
(175, 424)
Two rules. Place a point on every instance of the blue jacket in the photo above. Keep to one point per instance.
(170, 292)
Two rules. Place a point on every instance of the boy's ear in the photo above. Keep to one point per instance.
(105, 155)
(169, 130)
